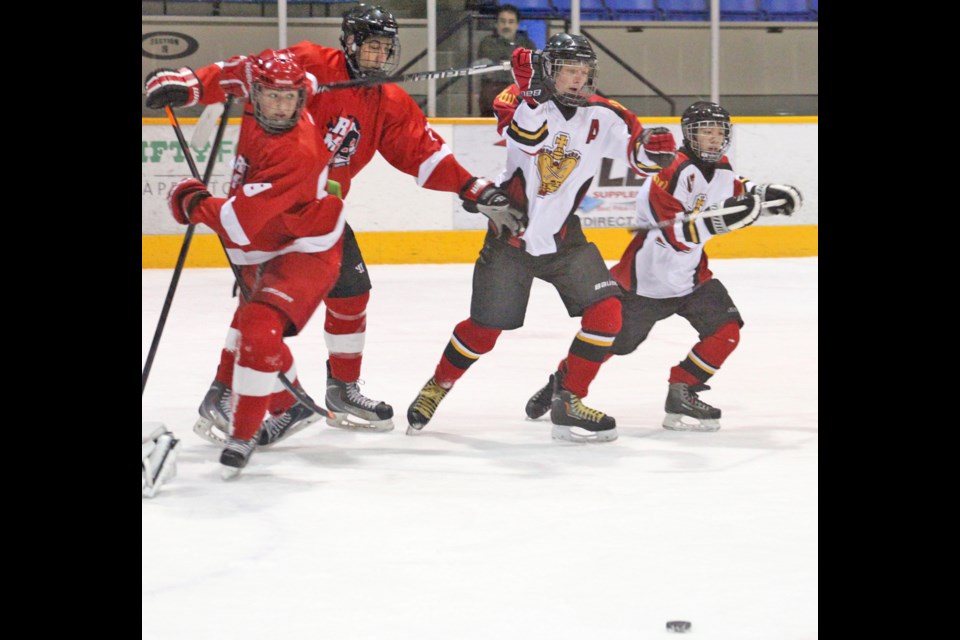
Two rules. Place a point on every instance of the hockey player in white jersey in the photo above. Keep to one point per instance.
(557, 134)
(664, 271)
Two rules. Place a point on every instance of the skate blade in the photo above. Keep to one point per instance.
(579, 434)
(210, 432)
(412, 430)
(343, 421)
(229, 473)
(675, 422)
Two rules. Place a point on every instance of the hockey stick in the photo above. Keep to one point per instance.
(414, 77)
(181, 259)
(206, 122)
(299, 394)
(709, 213)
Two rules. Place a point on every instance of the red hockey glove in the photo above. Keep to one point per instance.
(769, 192)
(169, 88)
(659, 144)
(526, 72)
(737, 220)
(184, 197)
(236, 77)
(482, 196)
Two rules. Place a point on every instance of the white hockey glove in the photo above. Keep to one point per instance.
(482, 196)
(769, 192)
(728, 222)
(158, 457)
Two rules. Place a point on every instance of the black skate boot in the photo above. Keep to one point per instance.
(540, 402)
(424, 406)
(235, 456)
(575, 422)
(682, 402)
(215, 415)
(353, 410)
(277, 428)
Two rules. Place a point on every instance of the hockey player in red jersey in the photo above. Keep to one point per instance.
(557, 134)
(664, 271)
(354, 124)
(284, 232)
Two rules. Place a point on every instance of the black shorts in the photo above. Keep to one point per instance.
(354, 278)
(503, 275)
(707, 308)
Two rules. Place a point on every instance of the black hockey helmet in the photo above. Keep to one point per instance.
(362, 22)
(562, 50)
(700, 115)
(275, 72)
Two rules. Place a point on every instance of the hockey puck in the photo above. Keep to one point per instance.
(678, 626)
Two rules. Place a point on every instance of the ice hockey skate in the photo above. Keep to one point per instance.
(541, 401)
(425, 405)
(235, 456)
(573, 421)
(354, 411)
(687, 412)
(215, 415)
(282, 426)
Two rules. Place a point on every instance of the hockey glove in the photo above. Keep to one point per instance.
(184, 197)
(732, 221)
(169, 88)
(526, 72)
(768, 192)
(482, 196)
(659, 144)
(236, 77)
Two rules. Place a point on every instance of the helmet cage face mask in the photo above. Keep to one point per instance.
(564, 51)
(691, 137)
(703, 115)
(270, 124)
(552, 67)
(361, 23)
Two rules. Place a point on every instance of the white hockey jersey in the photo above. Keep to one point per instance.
(670, 262)
(551, 160)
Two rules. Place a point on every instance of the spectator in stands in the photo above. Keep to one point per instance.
(498, 47)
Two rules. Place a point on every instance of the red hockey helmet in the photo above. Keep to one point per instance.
(275, 75)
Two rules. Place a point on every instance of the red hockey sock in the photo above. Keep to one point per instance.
(229, 353)
(707, 356)
(258, 359)
(345, 332)
(591, 347)
(468, 342)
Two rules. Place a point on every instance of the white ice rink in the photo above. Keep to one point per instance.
(482, 527)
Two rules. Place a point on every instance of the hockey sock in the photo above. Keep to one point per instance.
(599, 326)
(255, 374)
(468, 342)
(345, 332)
(707, 356)
(228, 355)
(281, 399)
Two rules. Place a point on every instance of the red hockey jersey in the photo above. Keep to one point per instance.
(355, 123)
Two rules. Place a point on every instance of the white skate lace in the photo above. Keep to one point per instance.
(356, 398)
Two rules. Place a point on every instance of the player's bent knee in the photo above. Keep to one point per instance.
(605, 316)
(261, 336)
